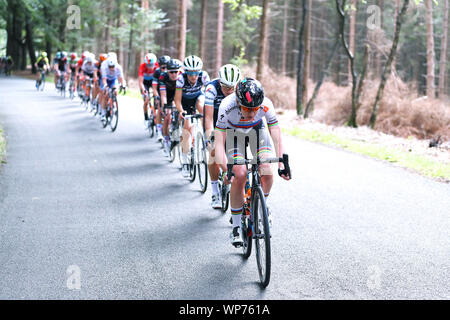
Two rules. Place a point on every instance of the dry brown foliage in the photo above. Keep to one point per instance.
(402, 112)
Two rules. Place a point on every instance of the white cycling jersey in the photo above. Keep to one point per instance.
(111, 74)
(230, 115)
(88, 68)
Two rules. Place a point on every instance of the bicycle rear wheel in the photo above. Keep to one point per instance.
(202, 164)
(114, 120)
(261, 236)
(225, 196)
(192, 166)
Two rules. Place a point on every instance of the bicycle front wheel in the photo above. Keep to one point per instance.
(114, 115)
(261, 236)
(202, 164)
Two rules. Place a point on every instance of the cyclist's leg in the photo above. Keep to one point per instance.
(264, 150)
(236, 152)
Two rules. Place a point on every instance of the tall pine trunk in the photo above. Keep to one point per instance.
(202, 36)
(182, 23)
(263, 40)
(307, 58)
(388, 66)
(219, 50)
(430, 49)
(443, 60)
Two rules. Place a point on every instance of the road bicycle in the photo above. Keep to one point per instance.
(112, 109)
(72, 87)
(62, 84)
(197, 157)
(87, 94)
(151, 122)
(224, 190)
(255, 220)
(41, 82)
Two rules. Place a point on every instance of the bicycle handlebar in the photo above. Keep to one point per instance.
(284, 159)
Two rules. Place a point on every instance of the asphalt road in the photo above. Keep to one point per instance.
(76, 199)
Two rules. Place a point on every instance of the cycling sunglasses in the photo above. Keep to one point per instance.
(250, 109)
(225, 87)
(173, 71)
(192, 73)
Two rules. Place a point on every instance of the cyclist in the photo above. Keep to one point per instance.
(78, 81)
(97, 84)
(215, 92)
(111, 72)
(188, 97)
(146, 71)
(55, 66)
(62, 66)
(73, 63)
(89, 70)
(167, 86)
(41, 64)
(239, 114)
(162, 61)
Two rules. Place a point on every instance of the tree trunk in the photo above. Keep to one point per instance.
(29, 42)
(263, 37)
(352, 25)
(443, 60)
(300, 64)
(379, 40)
(340, 9)
(285, 38)
(182, 23)
(307, 59)
(202, 38)
(387, 68)
(219, 50)
(430, 49)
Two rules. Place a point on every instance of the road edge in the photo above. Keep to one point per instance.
(413, 162)
(2, 147)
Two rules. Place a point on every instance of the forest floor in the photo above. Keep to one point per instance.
(411, 153)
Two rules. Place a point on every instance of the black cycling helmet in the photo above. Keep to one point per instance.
(163, 60)
(250, 93)
(174, 65)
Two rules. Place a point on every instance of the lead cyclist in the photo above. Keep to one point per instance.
(239, 114)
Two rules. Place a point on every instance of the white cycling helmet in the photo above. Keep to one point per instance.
(193, 63)
(112, 56)
(89, 58)
(229, 75)
(111, 63)
(150, 59)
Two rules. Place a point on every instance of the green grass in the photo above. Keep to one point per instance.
(421, 164)
(2, 147)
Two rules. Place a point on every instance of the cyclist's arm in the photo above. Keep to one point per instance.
(155, 88)
(141, 83)
(210, 96)
(219, 146)
(162, 89)
(178, 95)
